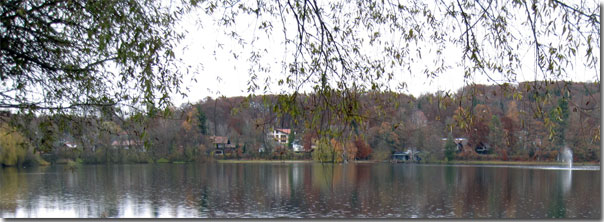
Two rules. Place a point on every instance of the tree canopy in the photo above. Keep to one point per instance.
(341, 48)
(62, 54)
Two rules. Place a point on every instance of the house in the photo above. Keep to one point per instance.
(280, 135)
(223, 145)
(460, 142)
(220, 142)
(126, 143)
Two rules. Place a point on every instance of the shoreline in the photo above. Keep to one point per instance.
(264, 161)
(454, 162)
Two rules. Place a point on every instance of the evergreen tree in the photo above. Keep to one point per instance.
(201, 117)
(559, 116)
(495, 133)
(290, 139)
(450, 147)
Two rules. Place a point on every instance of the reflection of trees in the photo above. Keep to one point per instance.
(307, 190)
(10, 185)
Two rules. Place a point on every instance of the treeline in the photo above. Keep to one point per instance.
(526, 121)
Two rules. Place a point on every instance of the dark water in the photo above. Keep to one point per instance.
(305, 190)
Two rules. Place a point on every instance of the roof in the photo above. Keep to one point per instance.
(70, 145)
(286, 131)
(219, 139)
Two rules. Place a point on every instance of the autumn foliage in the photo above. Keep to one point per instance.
(363, 149)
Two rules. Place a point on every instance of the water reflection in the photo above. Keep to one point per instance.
(299, 190)
(567, 180)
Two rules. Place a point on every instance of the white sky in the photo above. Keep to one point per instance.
(218, 73)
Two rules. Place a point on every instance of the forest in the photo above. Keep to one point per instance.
(529, 121)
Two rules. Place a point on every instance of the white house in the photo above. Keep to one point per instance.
(280, 135)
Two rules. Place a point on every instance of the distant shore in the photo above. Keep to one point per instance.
(455, 162)
(264, 161)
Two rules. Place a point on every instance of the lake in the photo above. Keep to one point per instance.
(300, 190)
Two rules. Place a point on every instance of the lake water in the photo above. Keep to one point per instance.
(307, 190)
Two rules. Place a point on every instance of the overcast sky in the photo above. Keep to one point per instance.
(219, 73)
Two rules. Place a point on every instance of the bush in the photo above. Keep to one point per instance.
(162, 160)
(134, 156)
(531, 153)
(503, 154)
(72, 164)
(38, 160)
(468, 155)
(89, 157)
(380, 155)
(191, 153)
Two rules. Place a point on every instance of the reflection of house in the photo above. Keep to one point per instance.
(280, 135)
(281, 182)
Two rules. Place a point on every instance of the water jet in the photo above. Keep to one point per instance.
(567, 157)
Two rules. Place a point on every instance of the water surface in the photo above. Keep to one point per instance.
(306, 190)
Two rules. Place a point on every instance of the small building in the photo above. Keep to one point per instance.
(297, 147)
(405, 156)
(401, 156)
